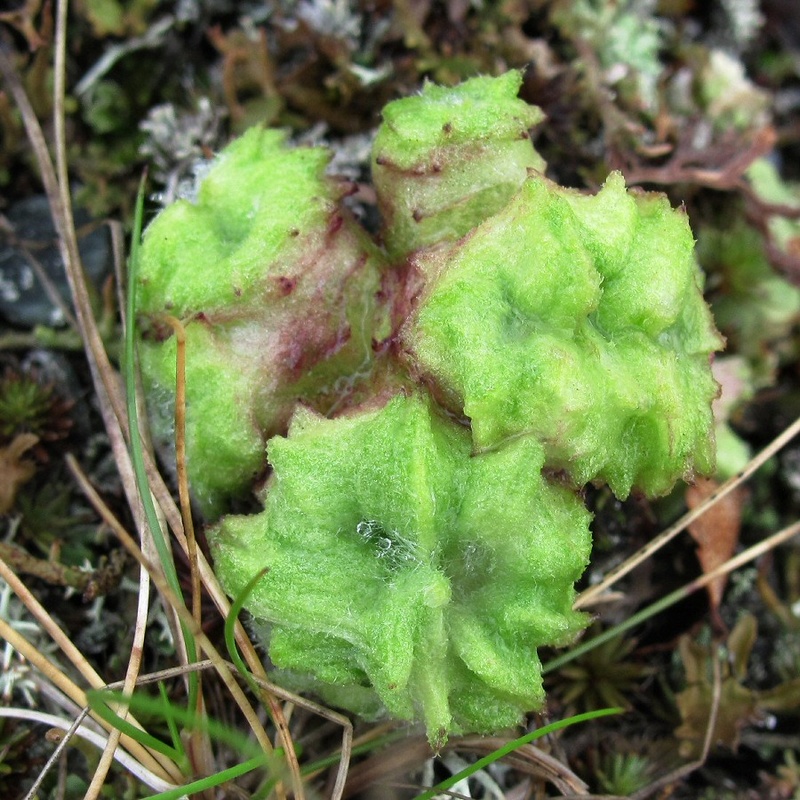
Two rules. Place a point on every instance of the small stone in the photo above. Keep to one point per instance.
(23, 300)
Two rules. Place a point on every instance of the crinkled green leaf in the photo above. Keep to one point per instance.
(277, 287)
(447, 158)
(579, 321)
(224, 440)
(401, 563)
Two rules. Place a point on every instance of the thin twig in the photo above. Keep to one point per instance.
(708, 741)
(56, 754)
(750, 554)
(78, 696)
(77, 659)
(91, 583)
(131, 676)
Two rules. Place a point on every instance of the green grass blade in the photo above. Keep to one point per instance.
(503, 751)
(98, 703)
(617, 630)
(166, 707)
(230, 624)
(188, 718)
(137, 454)
(211, 781)
(744, 557)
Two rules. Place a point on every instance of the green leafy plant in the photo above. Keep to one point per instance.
(577, 320)
(286, 309)
(431, 404)
(399, 569)
(605, 676)
(623, 774)
(424, 157)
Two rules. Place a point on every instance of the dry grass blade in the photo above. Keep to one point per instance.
(56, 754)
(154, 762)
(78, 728)
(58, 195)
(131, 675)
(347, 730)
(750, 554)
(104, 377)
(309, 705)
(78, 696)
(613, 122)
(383, 766)
(199, 745)
(185, 533)
(593, 593)
(380, 768)
(530, 760)
(75, 728)
(186, 618)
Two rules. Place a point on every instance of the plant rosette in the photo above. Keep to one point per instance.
(418, 547)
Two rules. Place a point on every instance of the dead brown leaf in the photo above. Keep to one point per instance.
(716, 532)
(14, 470)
